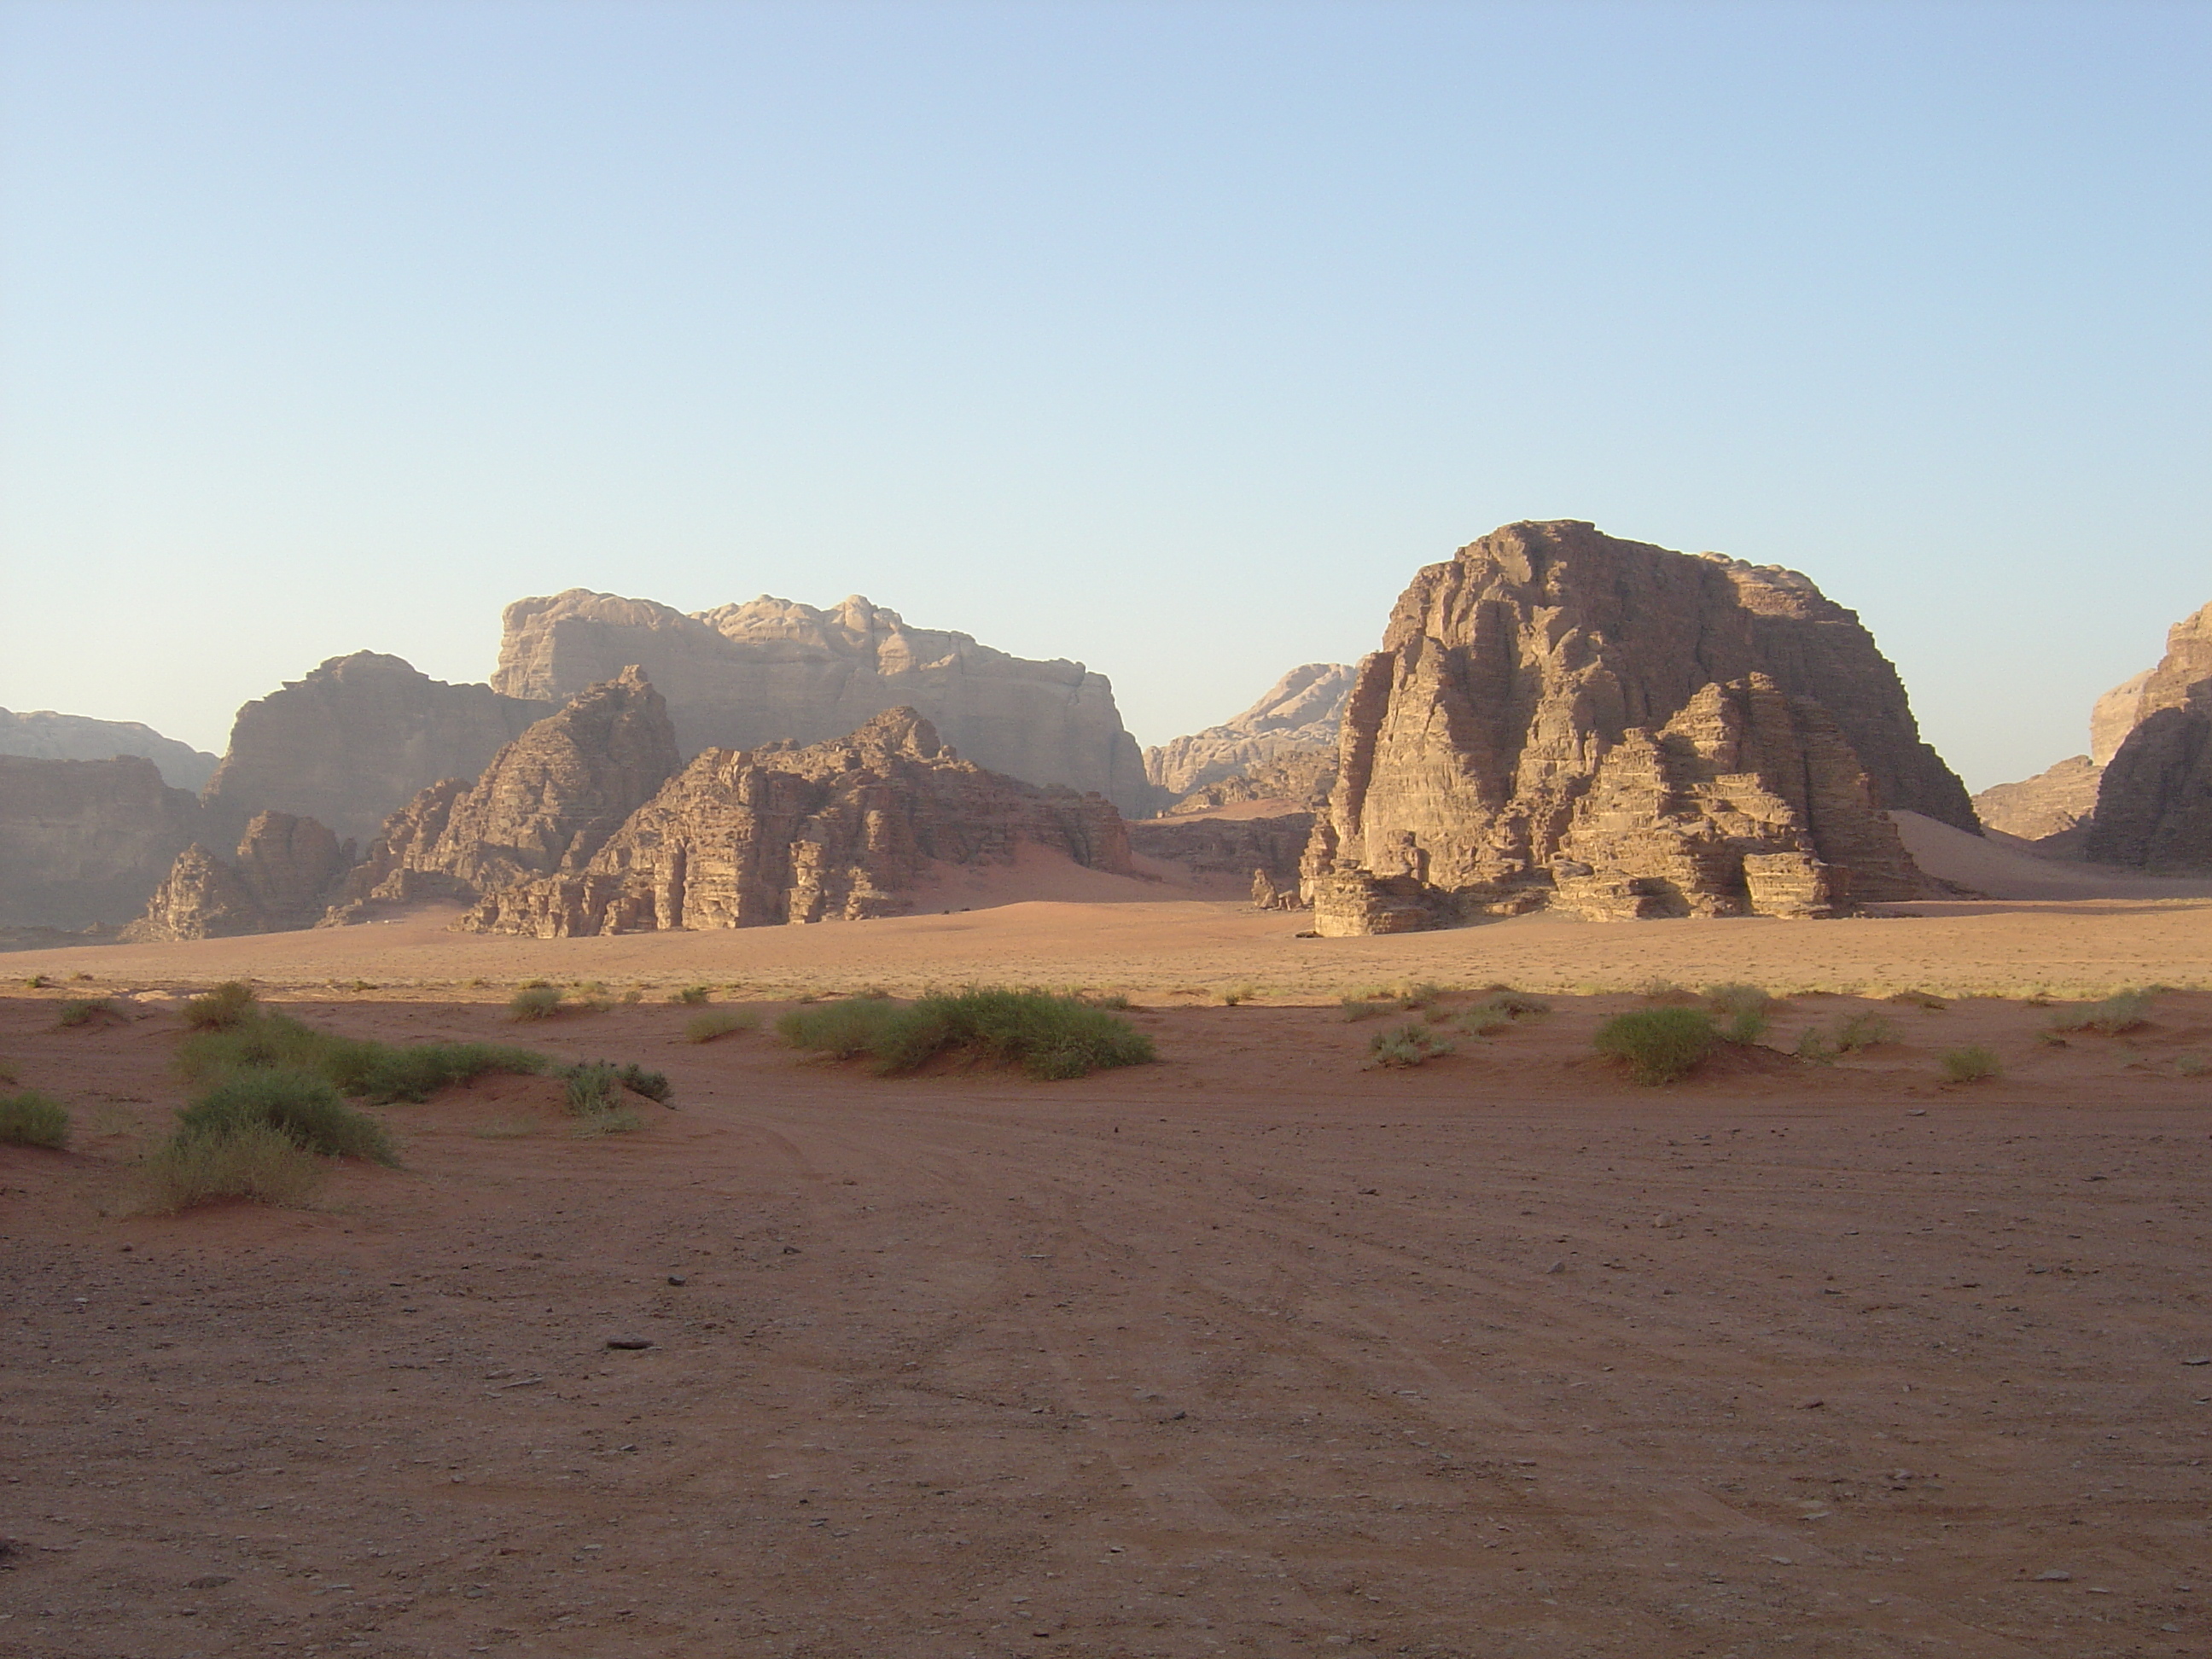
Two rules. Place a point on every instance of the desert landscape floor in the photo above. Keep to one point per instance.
(1251, 1352)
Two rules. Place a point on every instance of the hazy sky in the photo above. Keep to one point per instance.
(1169, 338)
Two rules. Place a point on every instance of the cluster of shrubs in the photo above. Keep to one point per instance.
(1665, 1044)
(1048, 1037)
(1415, 1042)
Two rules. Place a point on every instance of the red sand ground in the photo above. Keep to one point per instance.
(1254, 1352)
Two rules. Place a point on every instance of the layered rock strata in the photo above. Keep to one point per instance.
(770, 670)
(546, 802)
(356, 739)
(45, 735)
(1558, 715)
(83, 842)
(286, 870)
(2154, 798)
(793, 833)
(1297, 719)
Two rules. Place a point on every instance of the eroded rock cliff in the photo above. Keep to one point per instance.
(83, 842)
(1680, 721)
(286, 869)
(798, 833)
(547, 801)
(770, 670)
(2055, 802)
(2154, 800)
(352, 742)
(1295, 722)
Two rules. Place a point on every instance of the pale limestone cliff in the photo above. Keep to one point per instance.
(42, 734)
(770, 670)
(547, 801)
(1512, 676)
(803, 833)
(83, 842)
(352, 742)
(1296, 721)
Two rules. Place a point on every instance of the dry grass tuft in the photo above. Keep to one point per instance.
(258, 1163)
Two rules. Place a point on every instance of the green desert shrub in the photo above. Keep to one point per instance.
(1745, 1011)
(379, 1072)
(83, 1011)
(297, 1103)
(255, 1162)
(1500, 1008)
(534, 1002)
(1410, 1044)
(718, 1023)
(382, 1074)
(1234, 995)
(1971, 1064)
(1047, 1036)
(691, 996)
(847, 1027)
(1356, 1007)
(1861, 1031)
(31, 1119)
(1658, 1045)
(220, 1008)
(597, 1085)
(2122, 1011)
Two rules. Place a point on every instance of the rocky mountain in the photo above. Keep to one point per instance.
(1559, 716)
(83, 842)
(1295, 721)
(787, 832)
(2054, 803)
(45, 735)
(286, 871)
(770, 670)
(547, 801)
(1228, 845)
(2154, 800)
(354, 740)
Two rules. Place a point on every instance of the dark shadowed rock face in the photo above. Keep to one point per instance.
(356, 739)
(83, 842)
(1475, 742)
(786, 833)
(773, 671)
(2154, 800)
(48, 736)
(286, 869)
(547, 801)
(1232, 846)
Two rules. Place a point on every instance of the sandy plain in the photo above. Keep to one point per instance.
(1255, 1351)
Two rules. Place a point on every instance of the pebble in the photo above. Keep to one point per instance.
(679, 1279)
(2200, 1359)
(632, 1342)
(2054, 1577)
(207, 1581)
(1557, 1267)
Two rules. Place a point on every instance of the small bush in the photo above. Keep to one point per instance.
(1410, 998)
(691, 996)
(592, 1087)
(1935, 1004)
(632, 997)
(1745, 1011)
(221, 1008)
(32, 1119)
(1971, 1064)
(299, 1105)
(653, 1085)
(381, 1074)
(1815, 1046)
(619, 1121)
(1357, 1008)
(717, 1022)
(1517, 1004)
(534, 1002)
(1482, 1019)
(82, 1011)
(2122, 1011)
(1861, 1031)
(1233, 996)
(850, 1026)
(36, 982)
(1410, 1044)
(1658, 1045)
(256, 1161)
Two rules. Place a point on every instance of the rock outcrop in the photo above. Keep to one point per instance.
(2056, 802)
(769, 670)
(546, 802)
(354, 741)
(45, 735)
(1303, 778)
(793, 833)
(1238, 848)
(1296, 721)
(2154, 800)
(83, 842)
(1558, 715)
(286, 869)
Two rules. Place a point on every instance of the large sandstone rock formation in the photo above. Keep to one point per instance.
(1296, 721)
(769, 670)
(1303, 778)
(792, 833)
(286, 869)
(2053, 803)
(547, 801)
(1225, 846)
(1559, 715)
(83, 842)
(46, 735)
(356, 739)
(2154, 800)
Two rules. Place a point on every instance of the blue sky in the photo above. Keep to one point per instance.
(1169, 338)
